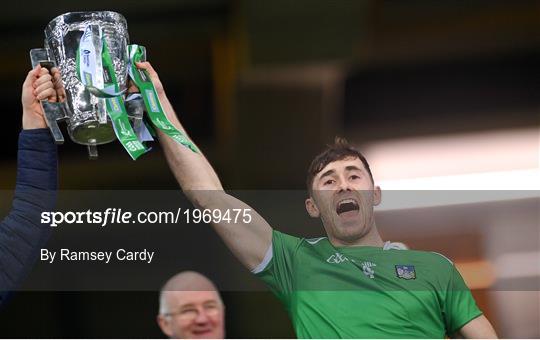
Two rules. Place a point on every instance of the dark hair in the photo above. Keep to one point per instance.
(340, 150)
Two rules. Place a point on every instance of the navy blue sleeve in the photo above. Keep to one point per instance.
(21, 233)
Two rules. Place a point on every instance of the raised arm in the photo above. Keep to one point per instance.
(248, 241)
(21, 233)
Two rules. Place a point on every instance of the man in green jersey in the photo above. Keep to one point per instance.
(350, 283)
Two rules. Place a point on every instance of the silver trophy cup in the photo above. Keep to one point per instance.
(83, 109)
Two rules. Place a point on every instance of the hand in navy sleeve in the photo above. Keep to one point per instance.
(21, 233)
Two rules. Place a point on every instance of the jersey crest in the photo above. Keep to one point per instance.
(405, 272)
(367, 268)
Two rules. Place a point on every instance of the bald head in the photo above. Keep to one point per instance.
(189, 280)
(190, 307)
(186, 281)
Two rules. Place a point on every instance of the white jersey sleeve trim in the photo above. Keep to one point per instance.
(314, 241)
(266, 260)
(434, 252)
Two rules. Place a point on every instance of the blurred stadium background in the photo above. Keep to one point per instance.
(438, 95)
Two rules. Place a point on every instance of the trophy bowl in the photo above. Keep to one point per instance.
(83, 110)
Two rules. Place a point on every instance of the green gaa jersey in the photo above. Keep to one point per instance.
(365, 292)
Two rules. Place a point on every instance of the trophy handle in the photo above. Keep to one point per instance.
(53, 112)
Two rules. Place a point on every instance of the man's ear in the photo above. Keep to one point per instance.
(164, 325)
(377, 195)
(311, 208)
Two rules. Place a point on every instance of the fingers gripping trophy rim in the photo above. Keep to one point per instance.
(58, 85)
(44, 87)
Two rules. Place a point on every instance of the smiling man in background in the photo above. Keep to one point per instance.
(190, 307)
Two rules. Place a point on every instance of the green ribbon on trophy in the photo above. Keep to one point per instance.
(98, 76)
(151, 100)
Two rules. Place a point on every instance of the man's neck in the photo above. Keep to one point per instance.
(371, 239)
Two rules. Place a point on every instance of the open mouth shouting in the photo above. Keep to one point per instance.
(347, 208)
